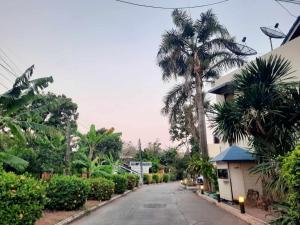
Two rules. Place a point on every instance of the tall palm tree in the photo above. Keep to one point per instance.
(197, 51)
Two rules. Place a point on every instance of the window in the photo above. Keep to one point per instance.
(222, 174)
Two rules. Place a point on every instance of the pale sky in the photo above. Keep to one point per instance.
(102, 53)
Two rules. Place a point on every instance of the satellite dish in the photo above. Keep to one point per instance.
(273, 33)
(241, 49)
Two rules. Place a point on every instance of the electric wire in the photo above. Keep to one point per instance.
(6, 77)
(170, 8)
(297, 2)
(285, 8)
(10, 60)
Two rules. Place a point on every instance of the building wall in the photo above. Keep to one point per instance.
(214, 150)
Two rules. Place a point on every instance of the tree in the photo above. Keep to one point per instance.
(266, 108)
(59, 113)
(196, 51)
(14, 113)
(110, 143)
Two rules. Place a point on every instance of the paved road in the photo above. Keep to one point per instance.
(164, 204)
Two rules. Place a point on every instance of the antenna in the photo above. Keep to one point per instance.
(273, 33)
(241, 49)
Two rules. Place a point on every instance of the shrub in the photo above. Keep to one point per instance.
(155, 178)
(137, 180)
(166, 178)
(131, 181)
(161, 177)
(66, 193)
(121, 183)
(290, 172)
(172, 177)
(147, 179)
(100, 189)
(22, 199)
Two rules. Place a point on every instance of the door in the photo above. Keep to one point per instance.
(237, 180)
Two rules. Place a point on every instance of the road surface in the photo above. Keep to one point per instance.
(163, 204)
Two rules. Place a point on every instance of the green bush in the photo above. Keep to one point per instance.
(137, 180)
(290, 172)
(100, 189)
(172, 177)
(66, 193)
(155, 178)
(121, 183)
(22, 199)
(166, 178)
(131, 181)
(147, 179)
(160, 177)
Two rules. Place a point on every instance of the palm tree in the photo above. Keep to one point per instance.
(196, 51)
(266, 108)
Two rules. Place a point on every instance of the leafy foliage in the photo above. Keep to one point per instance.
(290, 172)
(265, 109)
(132, 181)
(121, 183)
(100, 189)
(22, 199)
(66, 193)
(166, 178)
(147, 178)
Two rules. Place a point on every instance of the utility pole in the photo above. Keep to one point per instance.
(141, 161)
(68, 150)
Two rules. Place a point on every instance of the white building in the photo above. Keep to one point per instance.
(136, 166)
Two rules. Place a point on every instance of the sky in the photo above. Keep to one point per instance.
(102, 53)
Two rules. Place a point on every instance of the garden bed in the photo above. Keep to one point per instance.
(53, 217)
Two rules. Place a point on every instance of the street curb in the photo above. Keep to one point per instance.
(88, 211)
(245, 217)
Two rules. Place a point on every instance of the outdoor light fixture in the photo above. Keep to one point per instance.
(202, 189)
(218, 197)
(242, 204)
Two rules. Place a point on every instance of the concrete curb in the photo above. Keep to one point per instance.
(245, 217)
(88, 211)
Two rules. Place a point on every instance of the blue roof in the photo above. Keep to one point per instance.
(234, 153)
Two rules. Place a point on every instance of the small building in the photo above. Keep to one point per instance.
(234, 179)
(136, 166)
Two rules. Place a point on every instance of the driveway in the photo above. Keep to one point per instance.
(163, 204)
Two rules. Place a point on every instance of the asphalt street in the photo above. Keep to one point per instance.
(162, 204)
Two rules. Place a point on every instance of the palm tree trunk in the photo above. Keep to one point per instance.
(91, 153)
(201, 116)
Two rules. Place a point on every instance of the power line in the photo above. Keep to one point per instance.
(297, 2)
(170, 8)
(7, 78)
(11, 61)
(8, 70)
(285, 8)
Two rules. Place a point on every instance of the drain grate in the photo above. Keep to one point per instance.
(155, 206)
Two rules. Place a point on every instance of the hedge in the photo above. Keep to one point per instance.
(66, 193)
(147, 179)
(100, 189)
(121, 183)
(290, 172)
(22, 199)
(166, 178)
(131, 181)
(155, 178)
(137, 180)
